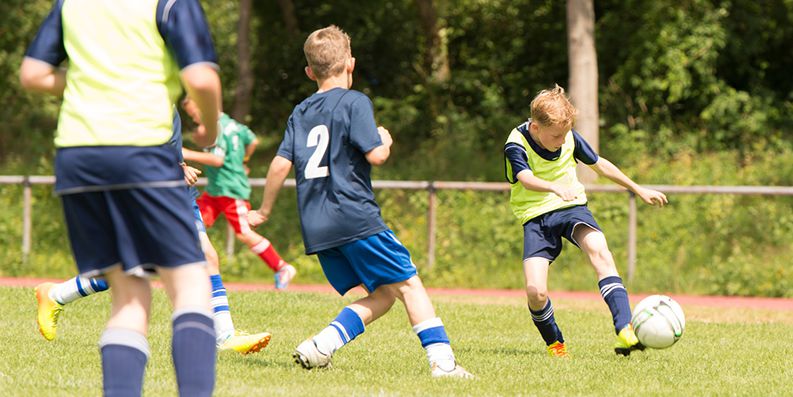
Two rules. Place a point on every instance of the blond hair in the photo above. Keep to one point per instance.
(551, 107)
(326, 51)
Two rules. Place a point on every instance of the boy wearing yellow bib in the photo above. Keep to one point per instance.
(540, 157)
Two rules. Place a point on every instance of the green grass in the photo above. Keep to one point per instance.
(723, 352)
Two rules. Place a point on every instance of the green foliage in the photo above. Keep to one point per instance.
(495, 341)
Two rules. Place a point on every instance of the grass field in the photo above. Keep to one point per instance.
(723, 352)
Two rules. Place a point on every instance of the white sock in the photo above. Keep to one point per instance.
(440, 354)
(328, 341)
(224, 327)
(70, 290)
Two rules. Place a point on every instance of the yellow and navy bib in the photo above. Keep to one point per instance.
(122, 81)
(527, 204)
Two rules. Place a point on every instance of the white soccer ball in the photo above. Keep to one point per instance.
(658, 321)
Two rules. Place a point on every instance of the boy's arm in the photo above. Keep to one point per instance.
(249, 149)
(607, 169)
(379, 155)
(531, 182)
(39, 76)
(40, 71)
(276, 175)
(205, 158)
(202, 83)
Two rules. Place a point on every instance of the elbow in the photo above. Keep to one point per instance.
(377, 161)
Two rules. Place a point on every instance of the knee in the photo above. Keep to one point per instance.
(536, 294)
(247, 238)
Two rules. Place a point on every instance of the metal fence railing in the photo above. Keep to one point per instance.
(431, 187)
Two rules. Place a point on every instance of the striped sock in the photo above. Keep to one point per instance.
(435, 342)
(124, 356)
(546, 324)
(224, 326)
(341, 331)
(76, 288)
(616, 298)
(194, 352)
(268, 254)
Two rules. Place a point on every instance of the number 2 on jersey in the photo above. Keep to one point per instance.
(319, 137)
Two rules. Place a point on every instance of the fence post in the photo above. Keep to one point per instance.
(27, 200)
(230, 236)
(433, 197)
(631, 235)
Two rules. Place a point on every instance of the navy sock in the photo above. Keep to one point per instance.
(546, 324)
(124, 356)
(616, 298)
(194, 352)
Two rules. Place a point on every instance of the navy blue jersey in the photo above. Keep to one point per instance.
(517, 156)
(176, 142)
(326, 138)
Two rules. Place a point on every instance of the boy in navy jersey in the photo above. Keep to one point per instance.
(541, 156)
(332, 140)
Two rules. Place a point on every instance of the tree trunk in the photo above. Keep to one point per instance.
(244, 91)
(583, 67)
(436, 56)
(289, 17)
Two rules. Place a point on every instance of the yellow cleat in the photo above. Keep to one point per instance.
(627, 341)
(557, 349)
(48, 311)
(243, 343)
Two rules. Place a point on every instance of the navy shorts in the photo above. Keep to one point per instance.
(542, 236)
(377, 260)
(136, 229)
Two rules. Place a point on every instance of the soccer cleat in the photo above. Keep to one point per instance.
(308, 356)
(243, 343)
(284, 276)
(456, 372)
(557, 349)
(627, 341)
(48, 311)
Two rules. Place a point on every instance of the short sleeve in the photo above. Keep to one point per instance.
(363, 130)
(247, 135)
(183, 26)
(583, 152)
(285, 150)
(518, 159)
(47, 46)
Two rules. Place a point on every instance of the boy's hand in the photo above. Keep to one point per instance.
(566, 193)
(190, 174)
(385, 136)
(652, 197)
(256, 218)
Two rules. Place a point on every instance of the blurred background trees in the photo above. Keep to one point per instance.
(450, 78)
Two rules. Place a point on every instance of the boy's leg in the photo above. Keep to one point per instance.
(193, 345)
(123, 344)
(428, 327)
(535, 271)
(348, 324)
(236, 213)
(593, 243)
(52, 297)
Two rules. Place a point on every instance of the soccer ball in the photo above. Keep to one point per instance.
(658, 321)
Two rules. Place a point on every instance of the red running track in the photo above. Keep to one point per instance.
(782, 304)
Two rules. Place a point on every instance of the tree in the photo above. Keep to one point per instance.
(436, 55)
(583, 85)
(245, 81)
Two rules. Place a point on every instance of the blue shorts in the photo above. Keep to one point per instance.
(199, 221)
(377, 260)
(136, 229)
(542, 236)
